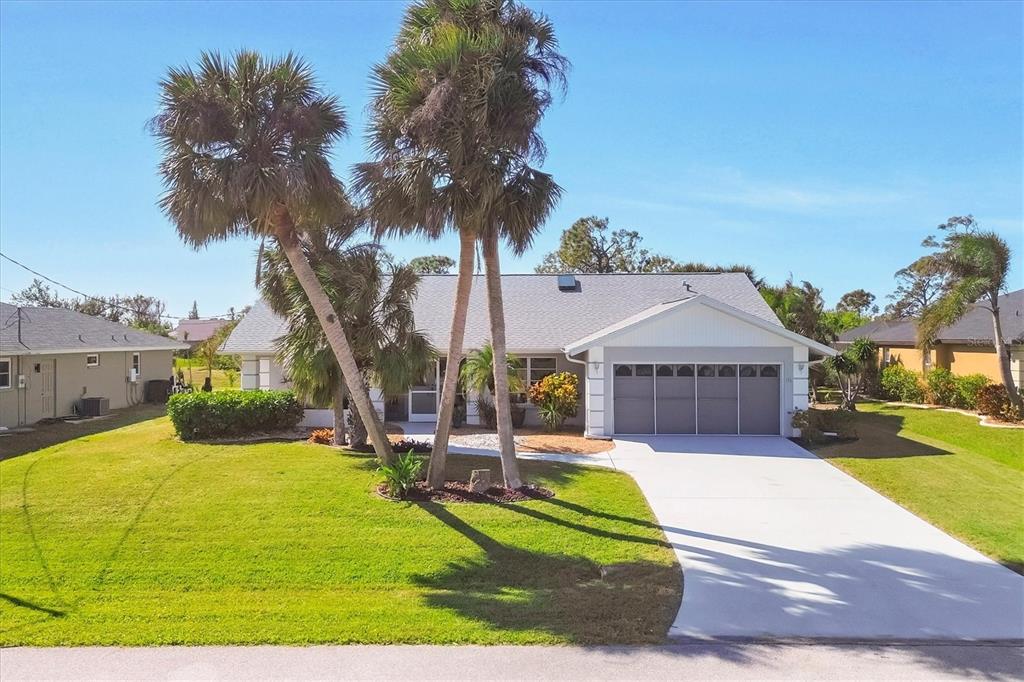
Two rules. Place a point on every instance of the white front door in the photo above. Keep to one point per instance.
(46, 393)
(423, 398)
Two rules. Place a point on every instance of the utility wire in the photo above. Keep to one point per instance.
(85, 295)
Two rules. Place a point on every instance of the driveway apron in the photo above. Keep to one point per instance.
(777, 543)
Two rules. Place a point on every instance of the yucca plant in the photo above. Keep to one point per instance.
(400, 476)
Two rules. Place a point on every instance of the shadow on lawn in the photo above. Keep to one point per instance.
(879, 438)
(45, 435)
(567, 596)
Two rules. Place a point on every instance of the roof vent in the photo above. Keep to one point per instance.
(567, 282)
(689, 289)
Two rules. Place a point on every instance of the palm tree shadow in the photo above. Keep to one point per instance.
(569, 597)
(879, 438)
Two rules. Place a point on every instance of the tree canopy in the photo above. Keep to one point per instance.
(859, 301)
(137, 310)
(432, 265)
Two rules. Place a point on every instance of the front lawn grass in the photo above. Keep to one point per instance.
(965, 478)
(131, 537)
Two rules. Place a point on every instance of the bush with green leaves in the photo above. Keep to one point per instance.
(227, 414)
(557, 397)
(941, 387)
(968, 387)
(901, 384)
(815, 424)
(400, 477)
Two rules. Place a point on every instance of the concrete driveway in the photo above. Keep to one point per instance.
(777, 543)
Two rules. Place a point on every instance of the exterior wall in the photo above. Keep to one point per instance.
(1017, 366)
(965, 359)
(793, 360)
(908, 357)
(73, 381)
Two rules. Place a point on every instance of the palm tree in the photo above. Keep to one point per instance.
(376, 296)
(477, 375)
(455, 113)
(245, 146)
(976, 264)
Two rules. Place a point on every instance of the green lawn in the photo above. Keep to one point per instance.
(965, 478)
(131, 537)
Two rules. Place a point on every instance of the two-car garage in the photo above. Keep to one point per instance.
(697, 398)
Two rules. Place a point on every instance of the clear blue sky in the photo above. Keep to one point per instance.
(822, 140)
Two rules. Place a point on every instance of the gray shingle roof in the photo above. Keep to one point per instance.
(194, 331)
(57, 330)
(974, 327)
(537, 315)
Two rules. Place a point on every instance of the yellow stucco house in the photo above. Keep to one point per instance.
(963, 348)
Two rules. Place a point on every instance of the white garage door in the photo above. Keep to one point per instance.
(696, 398)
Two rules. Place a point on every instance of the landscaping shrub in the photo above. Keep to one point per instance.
(941, 387)
(994, 401)
(967, 389)
(901, 384)
(401, 476)
(321, 436)
(226, 414)
(557, 398)
(814, 424)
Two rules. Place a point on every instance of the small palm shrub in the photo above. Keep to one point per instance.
(901, 384)
(967, 389)
(400, 477)
(557, 398)
(226, 414)
(941, 387)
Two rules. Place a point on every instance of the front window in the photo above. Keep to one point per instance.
(137, 363)
(5, 372)
(92, 360)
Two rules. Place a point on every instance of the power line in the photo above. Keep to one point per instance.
(85, 295)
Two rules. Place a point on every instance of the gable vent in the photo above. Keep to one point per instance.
(567, 282)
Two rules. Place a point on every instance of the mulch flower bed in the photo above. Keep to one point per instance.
(458, 491)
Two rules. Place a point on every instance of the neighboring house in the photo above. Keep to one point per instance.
(50, 358)
(963, 348)
(656, 353)
(195, 332)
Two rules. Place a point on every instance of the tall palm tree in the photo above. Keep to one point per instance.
(245, 144)
(976, 263)
(376, 296)
(455, 114)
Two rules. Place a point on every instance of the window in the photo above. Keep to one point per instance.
(5, 372)
(748, 370)
(645, 370)
(92, 360)
(706, 371)
(137, 363)
(769, 371)
(532, 370)
(727, 370)
(623, 370)
(665, 371)
(684, 371)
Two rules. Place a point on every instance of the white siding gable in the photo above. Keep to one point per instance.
(696, 325)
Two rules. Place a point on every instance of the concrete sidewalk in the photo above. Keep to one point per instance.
(682, 661)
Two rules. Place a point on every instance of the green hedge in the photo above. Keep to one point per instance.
(902, 385)
(226, 414)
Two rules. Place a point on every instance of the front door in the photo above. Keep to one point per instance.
(423, 398)
(47, 375)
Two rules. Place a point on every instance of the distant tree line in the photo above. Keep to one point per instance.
(137, 310)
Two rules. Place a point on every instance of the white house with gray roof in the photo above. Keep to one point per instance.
(51, 358)
(656, 353)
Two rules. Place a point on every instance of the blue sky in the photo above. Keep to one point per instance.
(822, 140)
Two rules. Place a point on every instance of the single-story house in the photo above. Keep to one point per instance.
(965, 347)
(51, 358)
(195, 332)
(656, 353)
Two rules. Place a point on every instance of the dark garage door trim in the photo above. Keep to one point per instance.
(752, 424)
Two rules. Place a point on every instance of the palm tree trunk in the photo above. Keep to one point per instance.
(285, 233)
(338, 406)
(1003, 355)
(463, 286)
(502, 404)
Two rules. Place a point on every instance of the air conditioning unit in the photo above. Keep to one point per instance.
(93, 407)
(133, 375)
